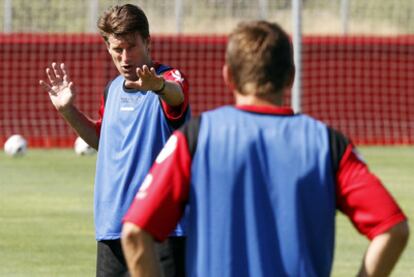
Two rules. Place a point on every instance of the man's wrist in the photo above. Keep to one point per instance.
(159, 91)
(67, 111)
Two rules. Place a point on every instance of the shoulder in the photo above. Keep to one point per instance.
(190, 130)
(162, 68)
(169, 72)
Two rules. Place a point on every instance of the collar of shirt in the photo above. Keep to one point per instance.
(266, 109)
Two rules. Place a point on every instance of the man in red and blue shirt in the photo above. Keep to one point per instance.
(260, 185)
(139, 111)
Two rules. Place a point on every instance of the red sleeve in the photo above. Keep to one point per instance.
(98, 123)
(363, 198)
(160, 201)
(176, 113)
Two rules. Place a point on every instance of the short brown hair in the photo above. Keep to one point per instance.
(122, 21)
(260, 57)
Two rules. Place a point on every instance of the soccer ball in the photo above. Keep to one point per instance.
(15, 146)
(82, 148)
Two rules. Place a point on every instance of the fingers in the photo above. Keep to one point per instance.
(147, 78)
(71, 86)
(140, 72)
(145, 72)
(51, 76)
(45, 85)
(60, 73)
(146, 69)
(58, 77)
(65, 73)
(57, 74)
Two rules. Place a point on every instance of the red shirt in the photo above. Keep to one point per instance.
(159, 204)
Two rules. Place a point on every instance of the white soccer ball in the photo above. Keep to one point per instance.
(15, 146)
(82, 148)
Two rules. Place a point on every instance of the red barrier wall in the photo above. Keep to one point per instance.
(362, 86)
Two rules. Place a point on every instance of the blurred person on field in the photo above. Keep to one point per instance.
(140, 109)
(260, 184)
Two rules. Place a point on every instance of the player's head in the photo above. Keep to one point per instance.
(259, 59)
(125, 30)
(123, 20)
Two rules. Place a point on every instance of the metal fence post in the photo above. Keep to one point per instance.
(297, 54)
(179, 16)
(8, 16)
(263, 6)
(344, 15)
(93, 15)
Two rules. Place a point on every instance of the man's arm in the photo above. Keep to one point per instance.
(83, 126)
(373, 211)
(169, 91)
(172, 93)
(384, 251)
(62, 95)
(139, 250)
(163, 195)
(161, 199)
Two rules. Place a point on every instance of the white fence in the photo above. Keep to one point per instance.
(382, 17)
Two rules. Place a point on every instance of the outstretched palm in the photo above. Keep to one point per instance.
(60, 88)
(147, 79)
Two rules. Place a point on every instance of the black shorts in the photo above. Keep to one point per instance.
(111, 261)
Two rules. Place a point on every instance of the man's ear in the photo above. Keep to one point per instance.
(291, 79)
(228, 77)
(148, 44)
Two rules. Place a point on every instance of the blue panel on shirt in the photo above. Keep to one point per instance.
(134, 130)
(262, 194)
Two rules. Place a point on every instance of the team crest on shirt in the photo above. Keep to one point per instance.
(168, 149)
(177, 76)
(142, 192)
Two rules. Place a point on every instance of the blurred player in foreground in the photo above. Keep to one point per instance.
(139, 111)
(262, 184)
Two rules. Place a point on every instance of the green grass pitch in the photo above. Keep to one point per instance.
(46, 213)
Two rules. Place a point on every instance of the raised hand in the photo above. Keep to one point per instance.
(60, 87)
(147, 80)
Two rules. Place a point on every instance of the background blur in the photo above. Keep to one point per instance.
(357, 75)
(357, 71)
(369, 17)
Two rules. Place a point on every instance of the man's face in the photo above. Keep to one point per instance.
(128, 53)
